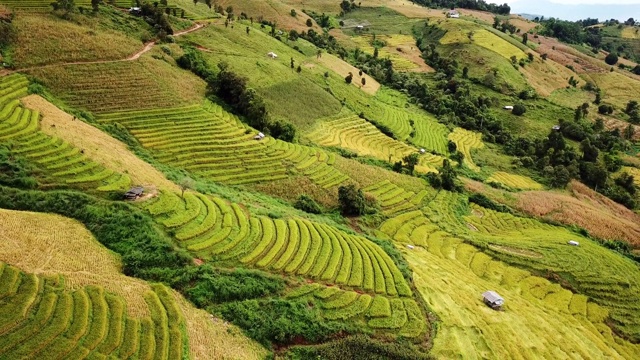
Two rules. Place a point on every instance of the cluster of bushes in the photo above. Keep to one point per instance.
(232, 88)
(8, 32)
(487, 203)
(594, 165)
(15, 171)
(445, 179)
(282, 321)
(307, 204)
(358, 347)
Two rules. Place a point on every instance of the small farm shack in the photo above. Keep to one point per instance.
(272, 55)
(508, 107)
(492, 299)
(453, 14)
(134, 193)
(573, 243)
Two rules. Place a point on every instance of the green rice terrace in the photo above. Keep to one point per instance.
(316, 180)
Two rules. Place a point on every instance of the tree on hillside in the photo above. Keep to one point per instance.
(209, 3)
(590, 152)
(95, 4)
(349, 78)
(631, 107)
(410, 162)
(64, 5)
(611, 59)
(364, 81)
(352, 201)
(195, 2)
(519, 109)
(525, 38)
(8, 32)
(186, 183)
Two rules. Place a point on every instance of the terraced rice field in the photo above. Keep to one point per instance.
(466, 141)
(590, 269)
(40, 320)
(380, 313)
(464, 273)
(110, 87)
(362, 137)
(494, 43)
(216, 145)
(513, 181)
(394, 199)
(64, 164)
(607, 278)
(56, 248)
(211, 228)
(451, 276)
(44, 5)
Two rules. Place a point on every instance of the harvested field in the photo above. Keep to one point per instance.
(343, 68)
(51, 244)
(566, 55)
(613, 123)
(92, 141)
(617, 88)
(546, 76)
(213, 338)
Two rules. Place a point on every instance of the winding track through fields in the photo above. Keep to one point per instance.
(147, 47)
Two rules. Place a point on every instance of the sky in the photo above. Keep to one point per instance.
(578, 9)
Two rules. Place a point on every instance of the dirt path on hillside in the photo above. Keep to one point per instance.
(133, 57)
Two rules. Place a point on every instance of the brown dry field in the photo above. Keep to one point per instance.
(578, 205)
(96, 144)
(546, 76)
(612, 123)
(213, 338)
(343, 68)
(278, 11)
(521, 23)
(47, 244)
(51, 244)
(411, 52)
(566, 55)
(480, 15)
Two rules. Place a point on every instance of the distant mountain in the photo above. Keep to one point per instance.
(576, 12)
(529, 16)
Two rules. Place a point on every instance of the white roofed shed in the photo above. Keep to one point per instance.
(492, 299)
